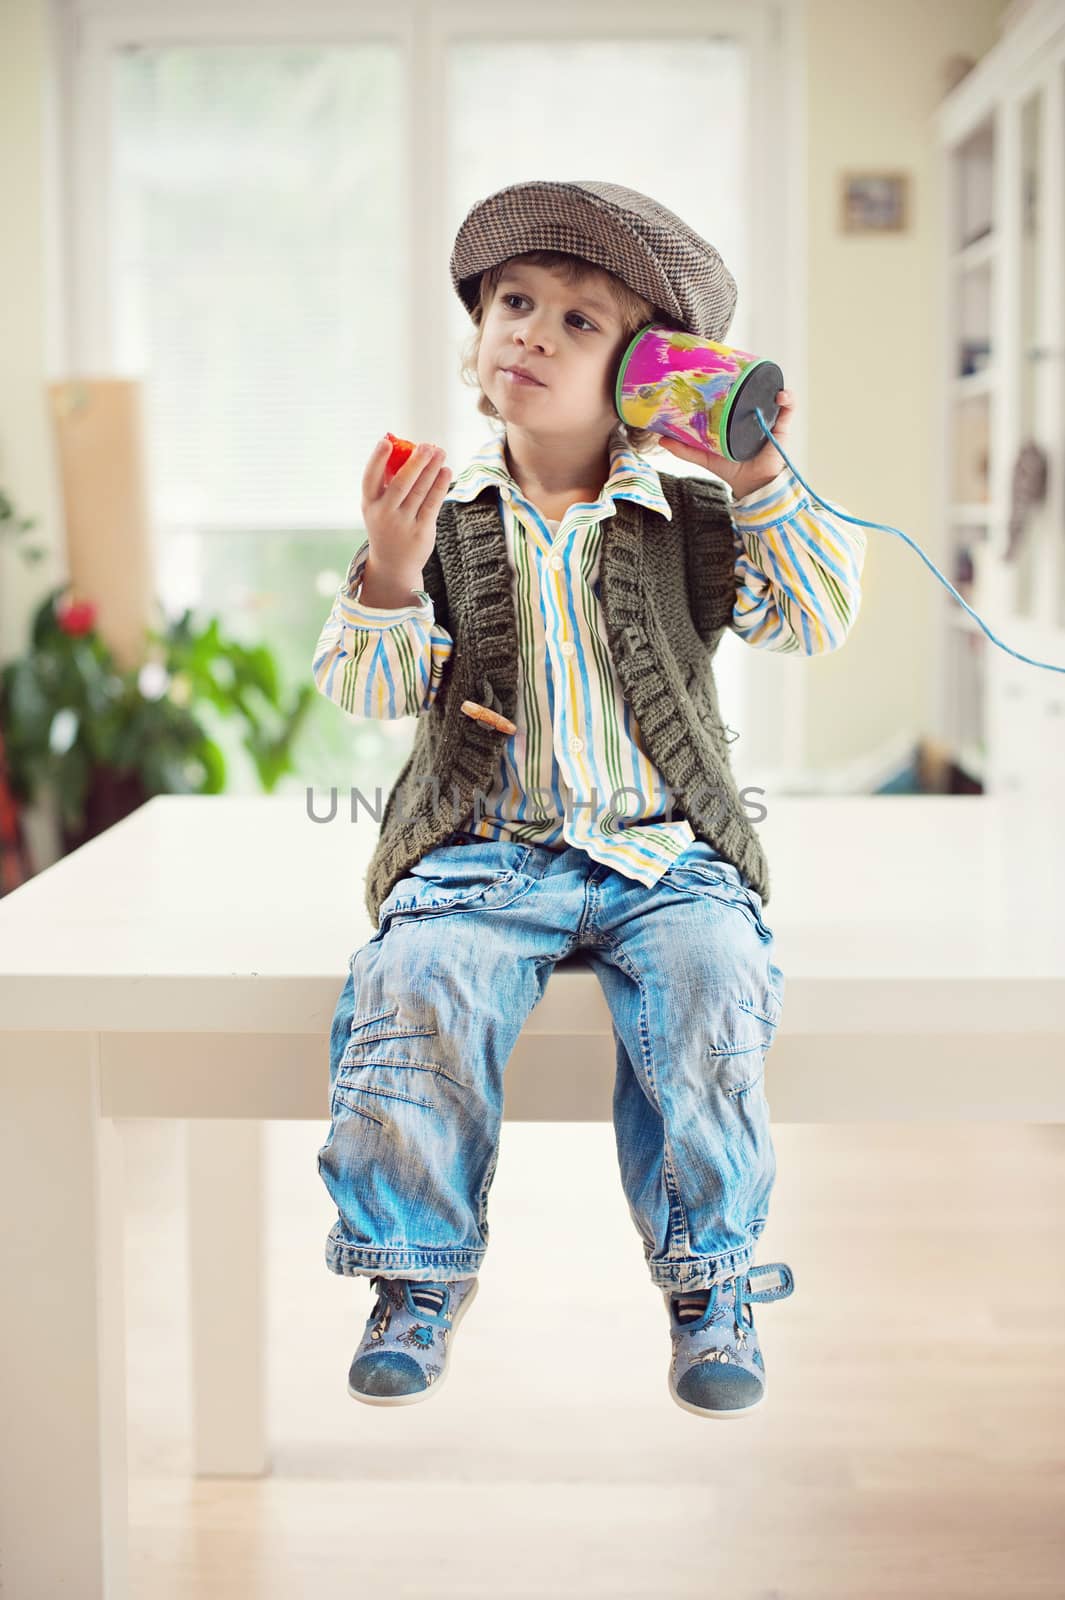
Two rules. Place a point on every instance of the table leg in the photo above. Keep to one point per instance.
(227, 1331)
(64, 1510)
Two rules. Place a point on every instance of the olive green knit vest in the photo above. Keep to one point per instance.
(667, 589)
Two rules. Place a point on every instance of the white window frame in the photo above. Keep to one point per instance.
(86, 33)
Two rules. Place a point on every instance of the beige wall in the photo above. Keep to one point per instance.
(28, 264)
(874, 80)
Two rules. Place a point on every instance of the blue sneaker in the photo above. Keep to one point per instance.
(717, 1368)
(403, 1355)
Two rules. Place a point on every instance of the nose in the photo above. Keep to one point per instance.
(534, 335)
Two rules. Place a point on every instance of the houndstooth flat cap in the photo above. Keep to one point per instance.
(629, 234)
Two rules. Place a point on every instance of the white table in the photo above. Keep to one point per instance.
(187, 964)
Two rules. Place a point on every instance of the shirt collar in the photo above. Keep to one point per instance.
(631, 476)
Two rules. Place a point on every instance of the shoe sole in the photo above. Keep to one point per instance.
(430, 1388)
(720, 1416)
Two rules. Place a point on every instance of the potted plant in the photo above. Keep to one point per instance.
(100, 740)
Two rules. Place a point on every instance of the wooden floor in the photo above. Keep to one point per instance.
(912, 1442)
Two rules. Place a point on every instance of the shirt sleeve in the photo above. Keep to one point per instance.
(378, 662)
(798, 570)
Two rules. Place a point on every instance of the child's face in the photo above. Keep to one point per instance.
(568, 336)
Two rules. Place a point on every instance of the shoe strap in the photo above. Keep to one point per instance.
(780, 1285)
(441, 1320)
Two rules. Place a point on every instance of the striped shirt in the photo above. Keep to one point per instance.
(576, 771)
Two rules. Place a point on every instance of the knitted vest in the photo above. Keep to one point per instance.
(667, 589)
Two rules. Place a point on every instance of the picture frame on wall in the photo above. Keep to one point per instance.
(874, 202)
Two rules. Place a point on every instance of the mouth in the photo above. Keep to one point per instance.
(515, 375)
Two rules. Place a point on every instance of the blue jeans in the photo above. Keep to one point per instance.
(436, 999)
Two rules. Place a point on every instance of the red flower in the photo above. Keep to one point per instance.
(76, 618)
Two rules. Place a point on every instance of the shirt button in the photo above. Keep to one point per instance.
(556, 562)
(568, 647)
(576, 744)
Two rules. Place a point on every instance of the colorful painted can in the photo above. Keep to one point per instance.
(699, 392)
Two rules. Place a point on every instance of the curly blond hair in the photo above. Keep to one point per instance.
(633, 310)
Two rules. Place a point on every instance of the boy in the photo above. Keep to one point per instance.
(569, 787)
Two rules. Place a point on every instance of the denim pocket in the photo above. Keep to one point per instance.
(457, 877)
(720, 880)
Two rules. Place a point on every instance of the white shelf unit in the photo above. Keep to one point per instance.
(1002, 141)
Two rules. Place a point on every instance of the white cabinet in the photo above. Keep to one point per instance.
(1002, 134)
(1014, 725)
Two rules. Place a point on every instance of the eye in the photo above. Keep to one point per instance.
(506, 297)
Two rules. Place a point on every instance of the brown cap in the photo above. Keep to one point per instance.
(627, 233)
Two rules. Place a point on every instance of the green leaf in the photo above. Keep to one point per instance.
(215, 762)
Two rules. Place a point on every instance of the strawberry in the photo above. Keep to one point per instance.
(401, 450)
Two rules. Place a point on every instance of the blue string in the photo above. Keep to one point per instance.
(1048, 665)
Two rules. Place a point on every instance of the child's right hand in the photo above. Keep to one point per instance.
(400, 517)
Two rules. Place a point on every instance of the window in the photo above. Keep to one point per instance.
(259, 278)
(268, 247)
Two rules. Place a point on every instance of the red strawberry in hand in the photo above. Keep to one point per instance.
(401, 450)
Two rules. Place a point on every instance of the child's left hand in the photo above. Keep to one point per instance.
(743, 477)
